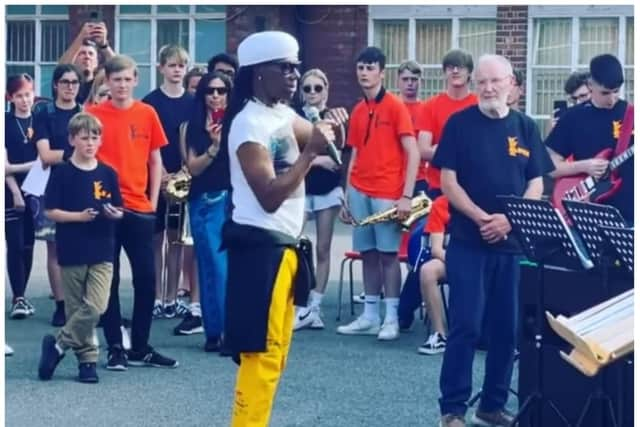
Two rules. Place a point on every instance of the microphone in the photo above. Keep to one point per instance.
(313, 114)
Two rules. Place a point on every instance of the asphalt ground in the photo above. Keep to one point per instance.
(330, 380)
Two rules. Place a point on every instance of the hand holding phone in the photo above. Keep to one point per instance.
(559, 108)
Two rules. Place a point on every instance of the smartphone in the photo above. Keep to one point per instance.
(94, 16)
(559, 108)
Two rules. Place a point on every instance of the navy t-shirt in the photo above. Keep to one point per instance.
(584, 131)
(73, 189)
(491, 157)
(54, 127)
(20, 148)
(172, 112)
(216, 176)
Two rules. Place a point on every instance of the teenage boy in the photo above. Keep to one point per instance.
(224, 63)
(382, 174)
(131, 142)
(83, 198)
(174, 105)
(457, 66)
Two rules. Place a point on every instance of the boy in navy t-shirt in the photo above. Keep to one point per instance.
(83, 198)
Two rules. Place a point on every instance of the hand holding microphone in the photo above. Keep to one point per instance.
(338, 116)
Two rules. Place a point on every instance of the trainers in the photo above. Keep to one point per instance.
(150, 358)
(498, 418)
(452, 420)
(49, 358)
(30, 307)
(212, 345)
(190, 325)
(169, 311)
(182, 307)
(308, 318)
(359, 299)
(436, 343)
(19, 309)
(157, 313)
(360, 326)
(389, 331)
(87, 373)
(117, 359)
(8, 351)
(58, 319)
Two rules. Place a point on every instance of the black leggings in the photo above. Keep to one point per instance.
(19, 235)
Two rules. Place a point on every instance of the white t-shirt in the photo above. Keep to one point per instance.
(271, 127)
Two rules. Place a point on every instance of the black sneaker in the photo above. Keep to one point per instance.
(19, 309)
(169, 311)
(190, 325)
(87, 373)
(212, 345)
(58, 319)
(49, 358)
(150, 358)
(117, 359)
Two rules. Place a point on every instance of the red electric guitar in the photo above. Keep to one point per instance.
(589, 189)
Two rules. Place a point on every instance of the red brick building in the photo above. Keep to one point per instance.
(545, 42)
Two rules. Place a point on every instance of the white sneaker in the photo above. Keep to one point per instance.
(360, 326)
(390, 330)
(8, 351)
(308, 318)
(359, 299)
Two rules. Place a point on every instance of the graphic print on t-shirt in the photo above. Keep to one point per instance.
(99, 193)
(514, 149)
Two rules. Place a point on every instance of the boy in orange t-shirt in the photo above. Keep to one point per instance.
(382, 174)
(457, 66)
(131, 140)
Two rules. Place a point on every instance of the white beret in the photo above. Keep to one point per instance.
(267, 46)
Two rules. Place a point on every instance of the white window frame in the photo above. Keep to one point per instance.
(575, 13)
(154, 17)
(37, 63)
(426, 13)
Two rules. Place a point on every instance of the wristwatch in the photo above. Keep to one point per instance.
(102, 46)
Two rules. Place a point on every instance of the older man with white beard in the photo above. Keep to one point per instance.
(485, 151)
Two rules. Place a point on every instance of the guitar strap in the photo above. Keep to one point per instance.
(625, 131)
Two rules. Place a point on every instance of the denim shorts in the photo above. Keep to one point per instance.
(383, 237)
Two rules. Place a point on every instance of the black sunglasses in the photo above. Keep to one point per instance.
(316, 88)
(288, 68)
(212, 90)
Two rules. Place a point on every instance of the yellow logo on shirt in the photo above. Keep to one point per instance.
(617, 126)
(100, 193)
(514, 150)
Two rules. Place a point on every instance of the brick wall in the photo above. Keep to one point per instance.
(511, 37)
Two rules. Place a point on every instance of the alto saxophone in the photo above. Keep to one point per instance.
(420, 206)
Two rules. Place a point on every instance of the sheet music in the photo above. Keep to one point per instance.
(36, 180)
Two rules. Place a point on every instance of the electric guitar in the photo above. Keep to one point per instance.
(589, 189)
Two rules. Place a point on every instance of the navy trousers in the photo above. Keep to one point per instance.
(480, 281)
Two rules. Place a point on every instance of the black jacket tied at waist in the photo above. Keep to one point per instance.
(254, 256)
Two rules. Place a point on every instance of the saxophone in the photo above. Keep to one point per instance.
(420, 206)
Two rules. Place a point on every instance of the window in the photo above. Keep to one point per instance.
(36, 38)
(561, 45)
(143, 29)
(425, 37)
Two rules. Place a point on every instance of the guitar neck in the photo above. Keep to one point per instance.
(623, 157)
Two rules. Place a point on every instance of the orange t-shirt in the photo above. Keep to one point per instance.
(128, 138)
(435, 114)
(375, 129)
(415, 109)
(438, 218)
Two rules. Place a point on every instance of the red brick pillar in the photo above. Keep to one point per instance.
(511, 37)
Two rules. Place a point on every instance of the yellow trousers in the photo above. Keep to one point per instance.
(259, 373)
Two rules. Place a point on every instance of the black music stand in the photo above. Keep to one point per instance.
(587, 218)
(546, 240)
(620, 242)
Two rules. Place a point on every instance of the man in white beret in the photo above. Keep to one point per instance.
(270, 151)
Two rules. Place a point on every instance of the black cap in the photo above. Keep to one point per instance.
(607, 71)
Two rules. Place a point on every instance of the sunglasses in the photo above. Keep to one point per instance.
(219, 90)
(66, 82)
(316, 88)
(288, 68)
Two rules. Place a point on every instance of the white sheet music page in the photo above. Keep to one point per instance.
(36, 180)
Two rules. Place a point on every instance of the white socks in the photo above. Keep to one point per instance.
(372, 308)
(392, 309)
(315, 299)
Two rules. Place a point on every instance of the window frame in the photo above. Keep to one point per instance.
(412, 14)
(153, 17)
(575, 14)
(37, 18)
